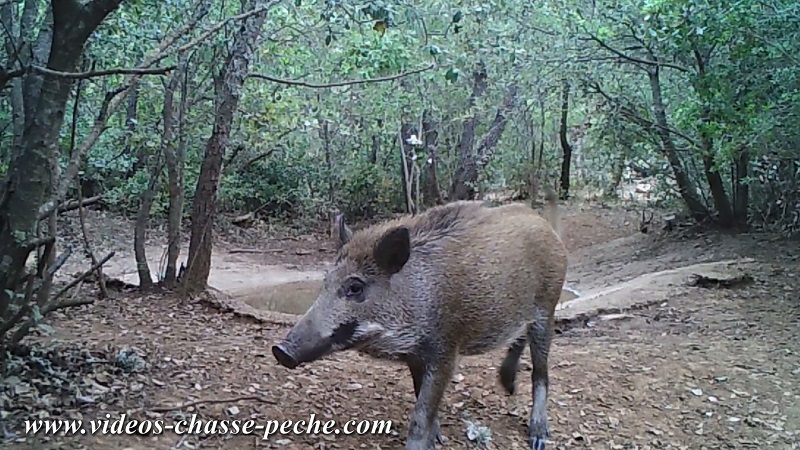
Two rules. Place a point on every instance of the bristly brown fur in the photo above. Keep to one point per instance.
(439, 222)
(456, 280)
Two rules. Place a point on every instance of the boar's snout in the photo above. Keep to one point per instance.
(284, 358)
(303, 344)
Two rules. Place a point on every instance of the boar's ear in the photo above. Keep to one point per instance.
(392, 250)
(341, 232)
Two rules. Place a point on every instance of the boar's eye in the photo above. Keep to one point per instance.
(353, 289)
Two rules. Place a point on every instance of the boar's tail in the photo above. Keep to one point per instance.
(551, 210)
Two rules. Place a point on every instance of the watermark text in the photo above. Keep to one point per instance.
(124, 425)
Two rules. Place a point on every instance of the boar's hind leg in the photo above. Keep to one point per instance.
(435, 378)
(417, 372)
(508, 370)
(539, 337)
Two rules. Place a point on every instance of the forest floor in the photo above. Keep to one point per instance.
(702, 368)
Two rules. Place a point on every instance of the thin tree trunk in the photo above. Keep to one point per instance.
(685, 186)
(721, 201)
(715, 183)
(140, 230)
(741, 189)
(433, 194)
(33, 82)
(465, 180)
(174, 159)
(405, 167)
(228, 92)
(7, 16)
(460, 187)
(375, 149)
(566, 160)
(324, 136)
(131, 113)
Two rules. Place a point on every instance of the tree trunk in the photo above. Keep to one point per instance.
(721, 201)
(174, 159)
(131, 113)
(376, 143)
(742, 189)
(488, 143)
(533, 182)
(32, 83)
(228, 92)
(460, 189)
(685, 186)
(433, 195)
(715, 183)
(616, 174)
(405, 166)
(566, 160)
(29, 173)
(7, 16)
(140, 230)
(325, 137)
(537, 176)
(374, 149)
(465, 180)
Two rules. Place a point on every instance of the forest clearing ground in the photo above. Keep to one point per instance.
(707, 369)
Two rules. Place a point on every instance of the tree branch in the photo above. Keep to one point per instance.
(99, 9)
(111, 104)
(6, 76)
(212, 30)
(74, 163)
(74, 282)
(54, 305)
(489, 141)
(103, 73)
(340, 83)
(634, 59)
(631, 114)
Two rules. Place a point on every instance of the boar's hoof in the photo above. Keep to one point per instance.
(538, 432)
(440, 439)
(419, 445)
(538, 441)
(283, 357)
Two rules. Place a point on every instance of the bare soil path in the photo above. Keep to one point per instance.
(704, 368)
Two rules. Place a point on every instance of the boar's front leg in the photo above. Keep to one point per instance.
(423, 424)
(417, 372)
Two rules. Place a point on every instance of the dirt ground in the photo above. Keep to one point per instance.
(707, 368)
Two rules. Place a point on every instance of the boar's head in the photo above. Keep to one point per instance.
(354, 304)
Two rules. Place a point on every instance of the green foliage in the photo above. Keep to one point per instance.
(276, 186)
(366, 191)
(745, 96)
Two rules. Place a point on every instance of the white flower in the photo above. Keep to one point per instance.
(414, 140)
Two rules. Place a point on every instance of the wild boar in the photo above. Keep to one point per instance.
(459, 279)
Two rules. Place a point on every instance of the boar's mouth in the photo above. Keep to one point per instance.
(291, 354)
